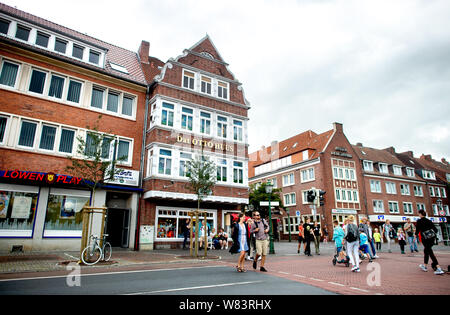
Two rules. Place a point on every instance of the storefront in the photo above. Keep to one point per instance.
(42, 211)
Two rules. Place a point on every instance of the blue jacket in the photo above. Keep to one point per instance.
(338, 236)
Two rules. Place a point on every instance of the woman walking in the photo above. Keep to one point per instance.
(352, 238)
(241, 240)
(388, 233)
(428, 231)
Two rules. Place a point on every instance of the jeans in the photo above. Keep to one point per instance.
(353, 253)
(388, 239)
(372, 247)
(412, 243)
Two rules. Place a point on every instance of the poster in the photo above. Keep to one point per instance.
(4, 203)
(146, 235)
(21, 207)
(68, 208)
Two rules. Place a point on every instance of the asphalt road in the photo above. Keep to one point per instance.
(204, 280)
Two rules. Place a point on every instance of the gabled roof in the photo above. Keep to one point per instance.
(114, 54)
(377, 155)
(206, 45)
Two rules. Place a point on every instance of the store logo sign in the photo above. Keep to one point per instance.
(49, 178)
(205, 143)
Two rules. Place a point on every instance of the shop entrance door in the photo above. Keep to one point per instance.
(117, 227)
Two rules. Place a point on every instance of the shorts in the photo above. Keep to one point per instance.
(300, 239)
(364, 248)
(261, 247)
(338, 250)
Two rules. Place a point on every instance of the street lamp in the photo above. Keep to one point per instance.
(289, 224)
(269, 188)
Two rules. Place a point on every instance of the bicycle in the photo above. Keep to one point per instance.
(93, 253)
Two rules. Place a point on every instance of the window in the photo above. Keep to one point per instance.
(431, 191)
(64, 215)
(438, 191)
(307, 175)
(418, 191)
(94, 57)
(435, 209)
(4, 26)
(378, 206)
(205, 85)
(48, 134)
(188, 79)
(184, 158)
(337, 193)
(118, 68)
(27, 134)
(222, 170)
(56, 86)
(375, 186)
(60, 45)
(22, 32)
(17, 211)
(409, 172)
(3, 121)
(42, 39)
(127, 106)
(420, 206)
(397, 170)
(123, 151)
(238, 172)
(368, 166)
(37, 81)
(428, 174)
(97, 98)
(237, 130)
(205, 123)
(404, 189)
(289, 199)
(66, 140)
(446, 209)
(222, 90)
(167, 114)
(390, 188)
(288, 179)
(443, 193)
(77, 51)
(393, 207)
(112, 104)
(106, 147)
(187, 117)
(90, 146)
(383, 168)
(408, 208)
(8, 75)
(73, 95)
(222, 126)
(165, 162)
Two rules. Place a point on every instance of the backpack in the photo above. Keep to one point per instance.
(351, 233)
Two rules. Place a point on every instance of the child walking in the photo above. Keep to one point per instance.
(401, 236)
(377, 238)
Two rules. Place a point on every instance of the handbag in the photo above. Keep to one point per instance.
(428, 234)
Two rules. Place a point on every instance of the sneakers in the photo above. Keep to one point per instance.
(439, 271)
(254, 264)
(423, 267)
(356, 269)
(263, 269)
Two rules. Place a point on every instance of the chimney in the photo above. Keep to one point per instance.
(409, 154)
(338, 127)
(426, 157)
(144, 51)
(359, 144)
(443, 160)
(391, 150)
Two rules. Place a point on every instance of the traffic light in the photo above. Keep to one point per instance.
(320, 198)
(311, 195)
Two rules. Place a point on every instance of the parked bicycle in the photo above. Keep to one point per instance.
(93, 253)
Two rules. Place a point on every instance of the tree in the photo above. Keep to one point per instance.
(258, 193)
(94, 162)
(202, 178)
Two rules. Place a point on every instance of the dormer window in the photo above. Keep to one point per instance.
(118, 68)
(397, 170)
(77, 51)
(383, 168)
(42, 39)
(60, 45)
(94, 57)
(368, 166)
(409, 172)
(4, 26)
(22, 32)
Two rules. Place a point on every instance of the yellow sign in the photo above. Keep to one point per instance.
(204, 143)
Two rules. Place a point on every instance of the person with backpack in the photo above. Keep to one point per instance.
(352, 238)
(428, 232)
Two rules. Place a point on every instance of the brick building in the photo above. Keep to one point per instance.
(195, 104)
(54, 83)
(309, 160)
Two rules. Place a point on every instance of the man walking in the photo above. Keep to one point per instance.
(317, 235)
(261, 230)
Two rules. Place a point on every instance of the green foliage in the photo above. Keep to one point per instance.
(202, 176)
(258, 194)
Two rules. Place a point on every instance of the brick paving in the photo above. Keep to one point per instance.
(398, 274)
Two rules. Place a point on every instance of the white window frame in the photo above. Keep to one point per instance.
(189, 78)
(290, 197)
(408, 208)
(397, 210)
(378, 206)
(188, 116)
(383, 168)
(375, 186)
(368, 166)
(16, 82)
(204, 83)
(404, 189)
(418, 190)
(238, 130)
(219, 87)
(203, 121)
(307, 175)
(165, 158)
(410, 172)
(391, 188)
(288, 179)
(397, 170)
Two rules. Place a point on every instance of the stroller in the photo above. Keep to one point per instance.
(346, 261)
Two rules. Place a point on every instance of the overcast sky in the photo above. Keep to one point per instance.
(382, 68)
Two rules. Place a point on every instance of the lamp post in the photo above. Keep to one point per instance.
(269, 188)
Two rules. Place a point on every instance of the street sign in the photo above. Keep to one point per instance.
(297, 213)
(272, 203)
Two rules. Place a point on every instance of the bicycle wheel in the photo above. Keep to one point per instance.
(107, 251)
(91, 257)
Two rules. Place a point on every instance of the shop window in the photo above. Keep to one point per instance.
(166, 227)
(17, 210)
(64, 213)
